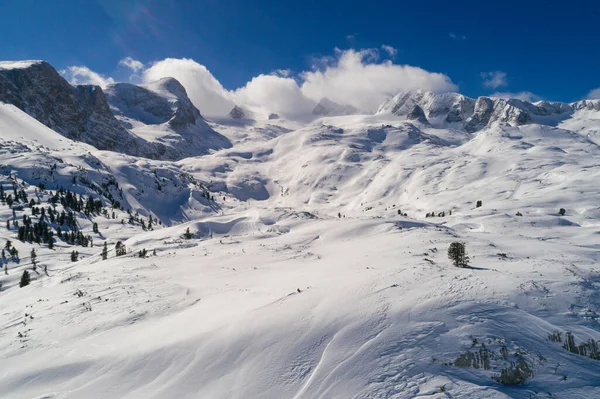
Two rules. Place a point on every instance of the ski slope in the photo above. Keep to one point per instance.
(276, 296)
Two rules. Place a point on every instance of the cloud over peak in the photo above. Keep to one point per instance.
(594, 94)
(361, 78)
(356, 77)
(81, 75)
(522, 95)
(205, 91)
(135, 65)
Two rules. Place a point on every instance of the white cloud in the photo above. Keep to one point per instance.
(594, 94)
(390, 50)
(522, 95)
(135, 65)
(270, 93)
(81, 75)
(205, 91)
(454, 36)
(356, 78)
(494, 80)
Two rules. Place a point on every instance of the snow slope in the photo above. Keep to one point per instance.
(303, 280)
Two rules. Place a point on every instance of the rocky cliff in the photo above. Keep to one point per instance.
(456, 110)
(78, 112)
(83, 113)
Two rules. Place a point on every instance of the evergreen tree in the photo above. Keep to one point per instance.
(50, 241)
(104, 251)
(25, 279)
(33, 255)
(74, 256)
(457, 253)
(95, 227)
(187, 235)
(120, 249)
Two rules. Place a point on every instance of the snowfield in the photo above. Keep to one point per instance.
(312, 270)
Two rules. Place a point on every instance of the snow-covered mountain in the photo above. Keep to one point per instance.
(302, 259)
(326, 107)
(456, 110)
(237, 113)
(162, 114)
(447, 107)
(82, 112)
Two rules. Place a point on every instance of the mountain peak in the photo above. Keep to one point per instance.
(237, 113)
(457, 110)
(168, 86)
(416, 113)
(326, 107)
(158, 102)
(77, 112)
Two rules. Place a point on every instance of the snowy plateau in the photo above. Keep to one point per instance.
(286, 259)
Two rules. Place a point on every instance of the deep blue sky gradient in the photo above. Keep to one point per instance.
(550, 48)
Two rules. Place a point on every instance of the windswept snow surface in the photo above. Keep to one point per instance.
(276, 296)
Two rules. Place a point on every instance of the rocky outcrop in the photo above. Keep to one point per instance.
(80, 113)
(456, 110)
(447, 107)
(416, 113)
(185, 113)
(237, 113)
(160, 102)
(489, 111)
(182, 133)
(273, 116)
(139, 103)
(84, 113)
(591, 105)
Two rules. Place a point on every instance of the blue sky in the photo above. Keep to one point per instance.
(550, 49)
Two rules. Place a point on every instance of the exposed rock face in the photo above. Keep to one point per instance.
(80, 113)
(474, 115)
(185, 113)
(163, 101)
(449, 107)
(516, 112)
(416, 113)
(237, 113)
(592, 105)
(183, 133)
(273, 116)
(138, 103)
(326, 107)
